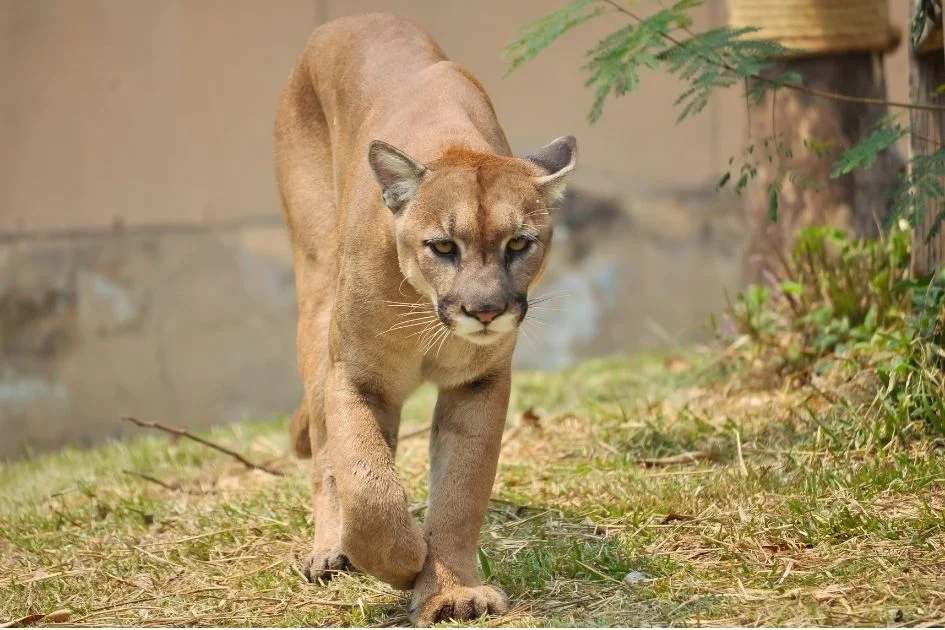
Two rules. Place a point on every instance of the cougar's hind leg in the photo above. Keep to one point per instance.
(298, 433)
(306, 185)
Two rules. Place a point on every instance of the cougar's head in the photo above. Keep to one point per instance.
(473, 229)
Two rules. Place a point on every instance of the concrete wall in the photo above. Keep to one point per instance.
(144, 269)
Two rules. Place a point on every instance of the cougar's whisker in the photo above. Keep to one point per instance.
(537, 333)
(408, 324)
(445, 337)
(551, 294)
(424, 339)
(400, 287)
(427, 328)
(528, 338)
(442, 331)
(546, 297)
(413, 320)
(412, 314)
(405, 304)
(403, 326)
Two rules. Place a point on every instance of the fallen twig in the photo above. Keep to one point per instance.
(217, 532)
(174, 487)
(393, 621)
(523, 506)
(326, 602)
(674, 516)
(140, 600)
(58, 616)
(154, 480)
(187, 434)
(690, 457)
(20, 581)
(503, 619)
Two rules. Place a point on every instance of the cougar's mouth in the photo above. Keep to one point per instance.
(484, 335)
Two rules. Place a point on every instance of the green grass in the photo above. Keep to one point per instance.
(767, 521)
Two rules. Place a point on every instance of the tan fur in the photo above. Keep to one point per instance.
(380, 311)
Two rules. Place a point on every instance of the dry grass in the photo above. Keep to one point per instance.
(724, 505)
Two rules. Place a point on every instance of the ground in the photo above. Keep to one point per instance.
(644, 490)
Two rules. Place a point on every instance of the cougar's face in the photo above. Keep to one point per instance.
(475, 243)
(473, 232)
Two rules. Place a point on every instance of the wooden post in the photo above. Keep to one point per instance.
(855, 203)
(926, 73)
(837, 48)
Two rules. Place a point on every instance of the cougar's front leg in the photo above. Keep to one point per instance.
(464, 451)
(378, 534)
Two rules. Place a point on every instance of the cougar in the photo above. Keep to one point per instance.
(417, 237)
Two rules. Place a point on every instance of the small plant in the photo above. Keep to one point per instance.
(837, 292)
(848, 310)
(911, 360)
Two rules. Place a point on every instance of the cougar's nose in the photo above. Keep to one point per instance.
(485, 314)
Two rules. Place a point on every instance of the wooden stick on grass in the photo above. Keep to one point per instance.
(187, 434)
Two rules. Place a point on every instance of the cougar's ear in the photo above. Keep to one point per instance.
(558, 159)
(397, 173)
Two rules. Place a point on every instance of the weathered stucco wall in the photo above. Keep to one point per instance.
(144, 269)
(186, 328)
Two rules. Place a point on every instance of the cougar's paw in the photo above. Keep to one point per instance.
(460, 603)
(324, 564)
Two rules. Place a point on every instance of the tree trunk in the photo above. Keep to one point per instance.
(926, 73)
(856, 202)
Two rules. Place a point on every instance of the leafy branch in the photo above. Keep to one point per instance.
(633, 46)
(789, 80)
(543, 32)
(863, 154)
(915, 188)
(717, 59)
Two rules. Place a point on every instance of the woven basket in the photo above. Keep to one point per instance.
(816, 27)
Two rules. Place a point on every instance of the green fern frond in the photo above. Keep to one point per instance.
(538, 35)
(615, 62)
(717, 59)
(918, 189)
(863, 154)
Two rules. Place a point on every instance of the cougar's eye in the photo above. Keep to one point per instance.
(517, 244)
(443, 248)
